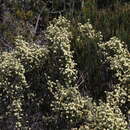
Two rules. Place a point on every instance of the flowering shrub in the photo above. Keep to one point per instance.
(14, 82)
(71, 109)
(117, 57)
(12, 85)
(38, 84)
(59, 35)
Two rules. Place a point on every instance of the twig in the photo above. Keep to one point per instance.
(38, 19)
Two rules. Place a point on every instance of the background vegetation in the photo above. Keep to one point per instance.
(64, 64)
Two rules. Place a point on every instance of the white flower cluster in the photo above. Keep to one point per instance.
(59, 35)
(118, 57)
(88, 30)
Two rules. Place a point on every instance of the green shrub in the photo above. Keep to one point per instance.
(116, 56)
(110, 17)
(71, 109)
(12, 85)
(61, 57)
(38, 84)
(14, 69)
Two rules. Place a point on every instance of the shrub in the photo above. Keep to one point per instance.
(38, 88)
(61, 57)
(12, 85)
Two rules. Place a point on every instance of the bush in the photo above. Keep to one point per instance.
(13, 83)
(38, 84)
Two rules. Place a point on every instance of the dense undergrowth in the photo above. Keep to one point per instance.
(75, 81)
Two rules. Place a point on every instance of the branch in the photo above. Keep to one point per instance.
(38, 19)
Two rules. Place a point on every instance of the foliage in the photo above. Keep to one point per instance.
(117, 56)
(33, 60)
(12, 85)
(84, 44)
(108, 117)
(71, 109)
(13, 80)
(39, 86)
(110, 17)
(61, 56)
